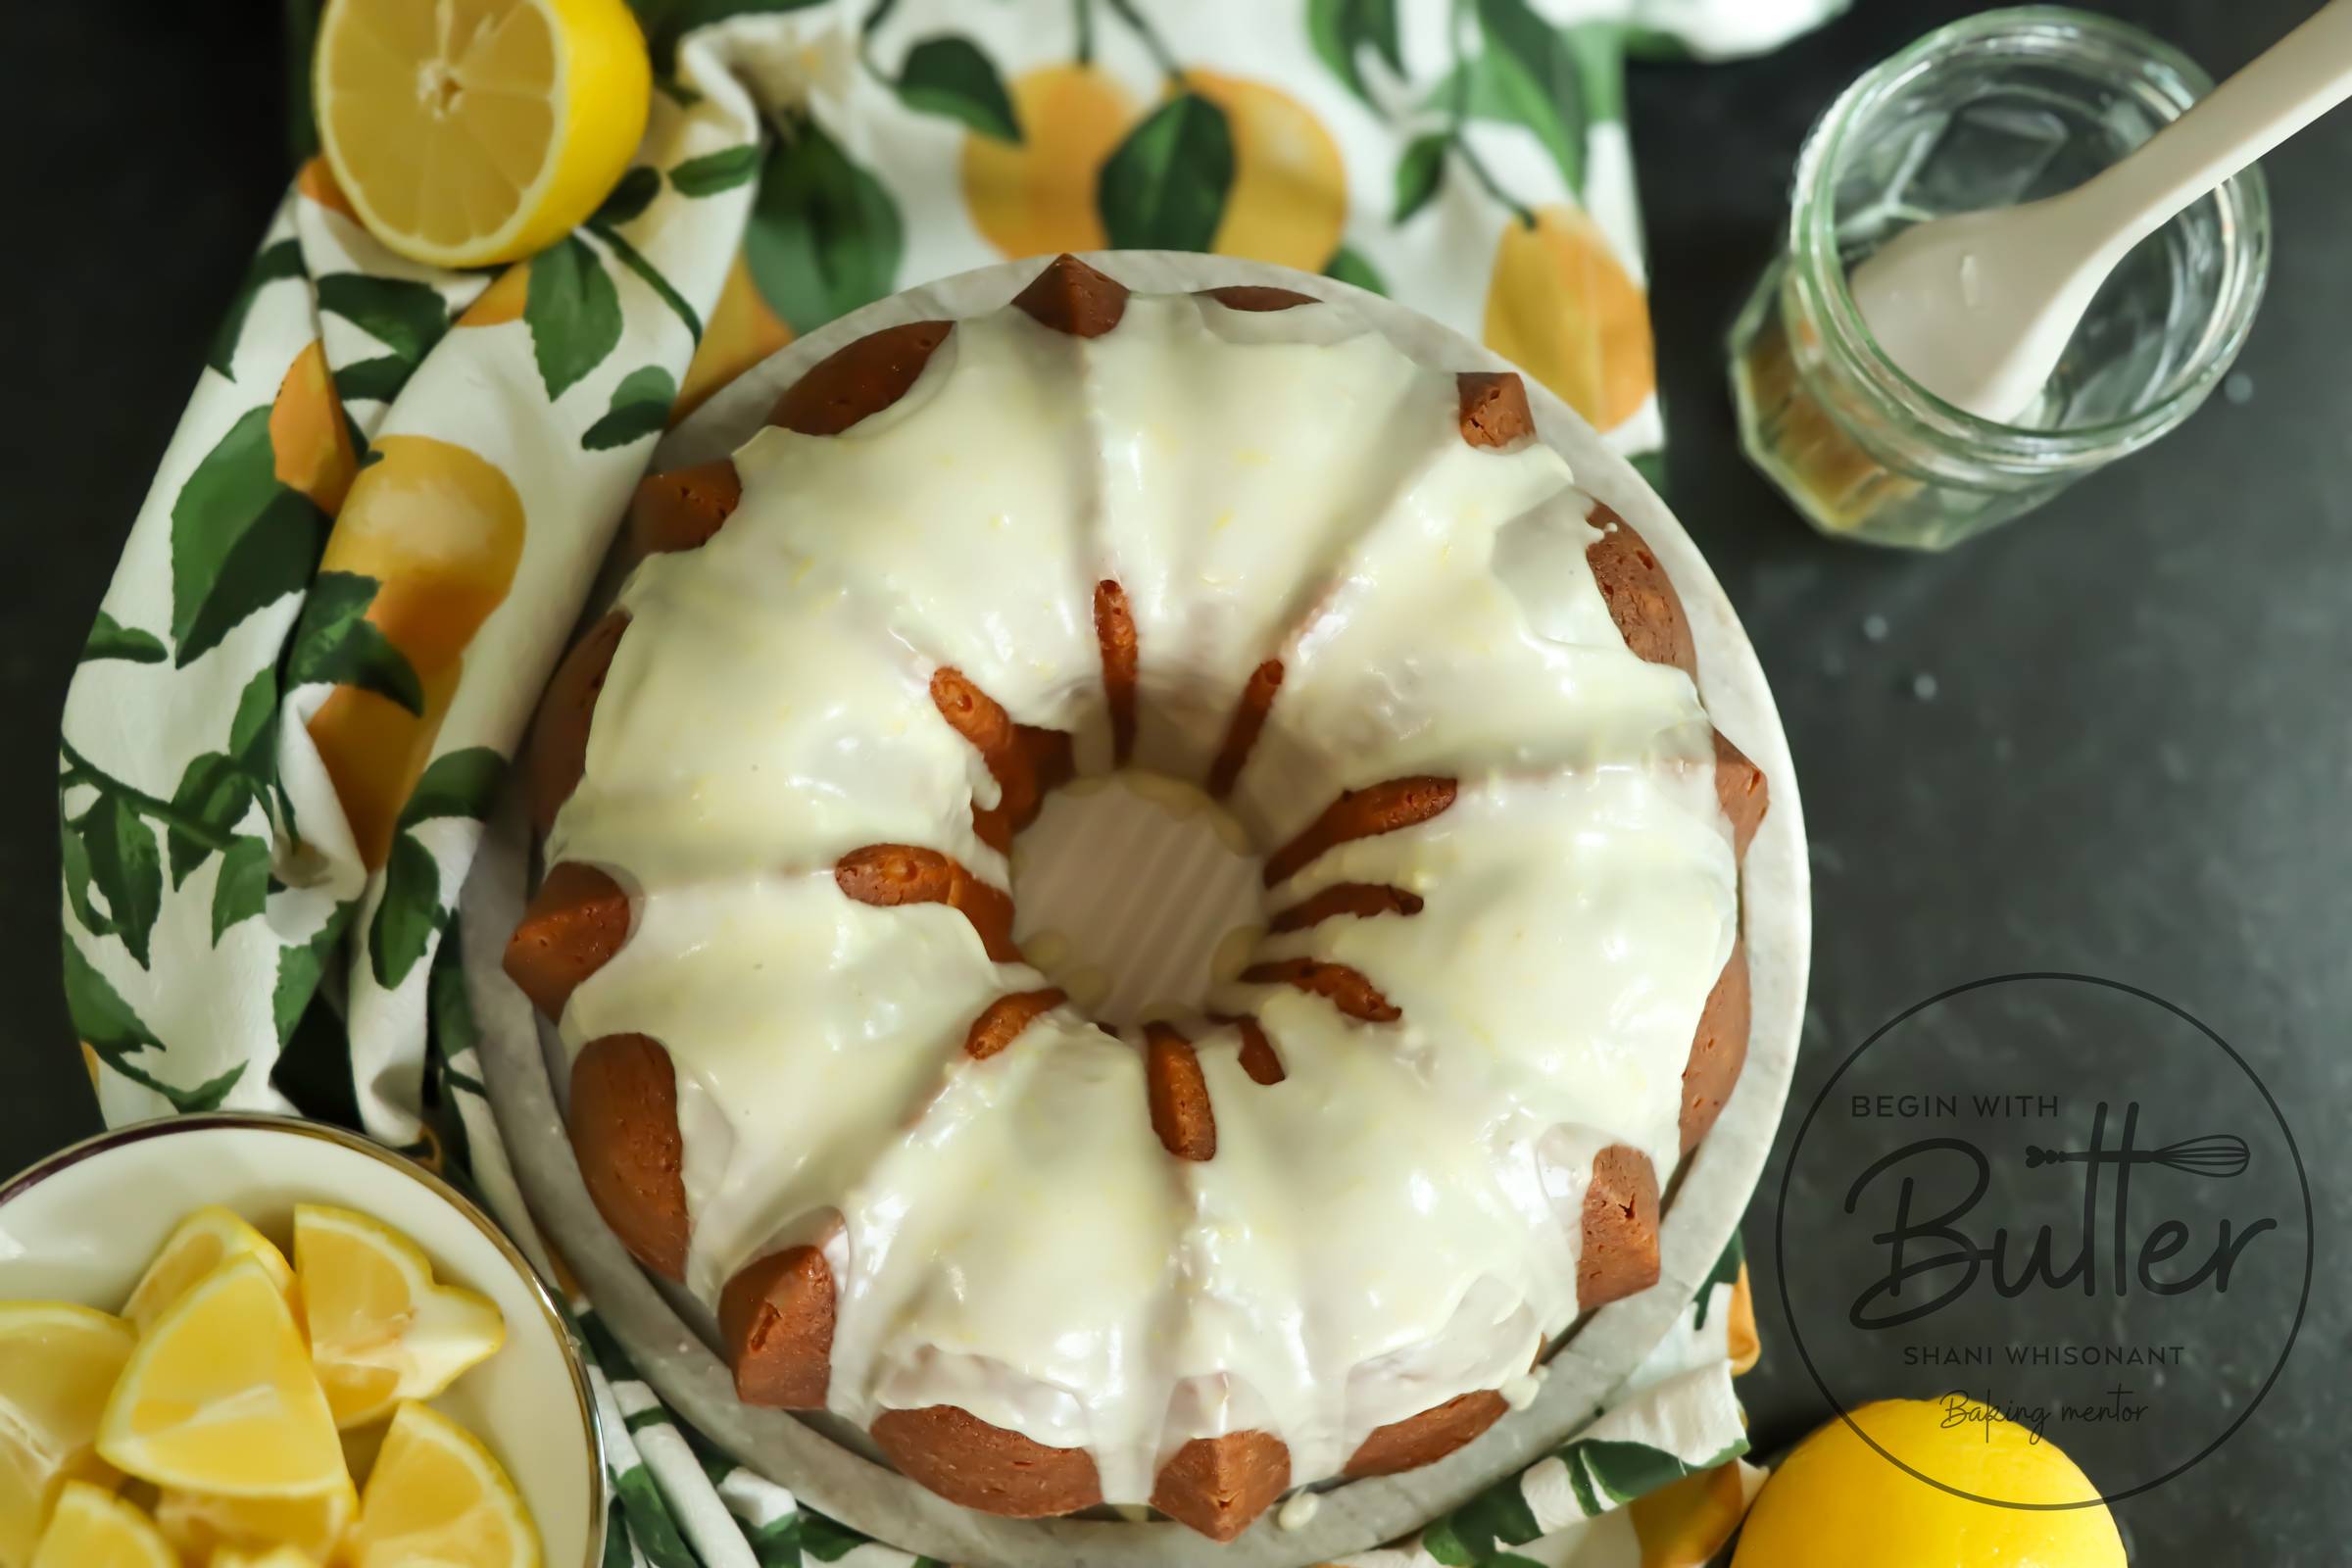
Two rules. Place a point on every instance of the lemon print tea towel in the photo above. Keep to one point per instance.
(376, 523)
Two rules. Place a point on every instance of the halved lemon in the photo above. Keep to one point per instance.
(381, 1331)
(436, 1495)
(95, 1529)
(198, 1245)
(219, 1396)
(465, 132)
(201, 1526)
(58, 1362)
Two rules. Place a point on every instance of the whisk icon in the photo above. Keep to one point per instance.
(2214, 1155)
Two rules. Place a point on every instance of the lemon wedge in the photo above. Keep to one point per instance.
(466, 132)
(95, 1529)
(274, 1557)
(201, 1526)
(198, 1245)
(219, 1396)
(57, 1364)
(436, 1495)
(381, 1331)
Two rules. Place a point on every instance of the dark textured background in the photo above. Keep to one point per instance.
(2114, 737)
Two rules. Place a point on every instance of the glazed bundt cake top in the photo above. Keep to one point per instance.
(1236, 539)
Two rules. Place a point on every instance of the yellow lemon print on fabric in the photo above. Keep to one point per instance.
(310, 440)
(1686, 1524)
(741, 332)
(1037, 197)
(502, 301)
(1288, 200)
(1741, 1340)
(1837, 1501)
(316, 181)
(1563, 308)
(440, 531)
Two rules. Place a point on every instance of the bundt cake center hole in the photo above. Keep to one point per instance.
(1136, 894)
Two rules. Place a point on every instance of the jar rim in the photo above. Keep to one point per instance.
(2048, 34)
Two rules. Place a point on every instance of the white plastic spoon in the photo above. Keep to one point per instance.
(1977, 307)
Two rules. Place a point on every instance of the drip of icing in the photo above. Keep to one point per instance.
(1520, 1391)
(1393, 1223)
(1297, 1510)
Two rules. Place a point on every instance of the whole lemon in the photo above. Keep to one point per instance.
(1836, 1502)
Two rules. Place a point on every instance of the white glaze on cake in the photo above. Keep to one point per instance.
(1396, 1223)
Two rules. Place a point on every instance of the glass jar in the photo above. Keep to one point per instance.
(2003, 108)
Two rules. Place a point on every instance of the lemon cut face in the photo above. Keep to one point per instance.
(381, 1330)
(58, 1362)
(436, 1495)
(197, 1246)
(95, 1529)
(469, 132)
(220, 1397)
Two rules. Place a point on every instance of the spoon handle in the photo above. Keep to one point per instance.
(2282, 89)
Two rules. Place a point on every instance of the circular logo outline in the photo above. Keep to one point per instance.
(1779, 1227)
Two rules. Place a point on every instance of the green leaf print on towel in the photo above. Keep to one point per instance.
(640, 408)
(825, 236)
(240, 540)
(338, 645)
(713, 173)
(573, 313)
(1342, 29)
(108, 640)
(950, 76)
(459, 784)
(1165, 187)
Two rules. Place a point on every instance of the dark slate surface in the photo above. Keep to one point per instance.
(2115, 737)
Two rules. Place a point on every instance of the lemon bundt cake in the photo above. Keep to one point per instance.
(1323, 1222)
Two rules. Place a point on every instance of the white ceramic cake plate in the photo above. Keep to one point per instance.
(832, 1469)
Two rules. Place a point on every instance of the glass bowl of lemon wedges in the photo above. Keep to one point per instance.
(263, 1343)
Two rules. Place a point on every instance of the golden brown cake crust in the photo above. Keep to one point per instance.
(1493, 407)
(1740, 787)
(1071, 297)
(1363, 900)
(1426, 1438)
(578, 920)
(890, 874)
(1002, 1021)
(1114, 629)
(559, 746)
(861, 379)
(624, 1131)
(1362, 813)
(1347, 989)
(682, 508)
(1641, 597)
(1181, 1114)
(1025, 761)
(1620, 1228)
(775, 1318)
(1257, 1057)
(976, 1465)
(1718, 1050)
(1257, 297)
(1241, 735)
(1218, 1485)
